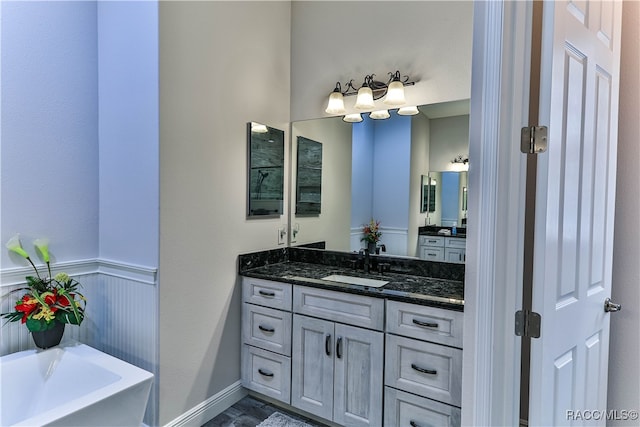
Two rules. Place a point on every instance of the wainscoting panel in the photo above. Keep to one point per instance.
(121, 320)
(395, 239)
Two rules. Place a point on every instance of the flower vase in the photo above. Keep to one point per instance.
(371, 246)
(50, 337)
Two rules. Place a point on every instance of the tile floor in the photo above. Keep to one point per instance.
(249, 412)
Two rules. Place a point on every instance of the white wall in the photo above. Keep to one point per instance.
(336, 41)
(624, 347)
(449, 139)
(222, 64)
(128, 131)
(420, 126)
(332, 225)
(49, 180)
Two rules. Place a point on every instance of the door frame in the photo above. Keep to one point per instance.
(495, 238)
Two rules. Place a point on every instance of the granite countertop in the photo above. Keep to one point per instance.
(435, 292)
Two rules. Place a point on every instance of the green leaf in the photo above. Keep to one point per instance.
(36, 325)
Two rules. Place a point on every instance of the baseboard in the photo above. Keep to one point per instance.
(207, 410)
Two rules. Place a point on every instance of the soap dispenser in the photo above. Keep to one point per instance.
(454, 231)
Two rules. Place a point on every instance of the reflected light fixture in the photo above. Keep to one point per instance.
(352, 118)
(370, 91)
(379, 115)
(408, 111)
(258, 128)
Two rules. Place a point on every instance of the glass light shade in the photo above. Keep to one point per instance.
(408, 111)
(395, 94)
(364, 101)
(258, 128)
(379, 115)
(352, 118)
(336, 104)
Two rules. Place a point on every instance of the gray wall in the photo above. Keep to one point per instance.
(624, 347)
(222, 64)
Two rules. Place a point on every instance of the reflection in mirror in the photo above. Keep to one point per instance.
(428, 194)
(448, 190)
(309, 177)
(265, 175)
(374, 170)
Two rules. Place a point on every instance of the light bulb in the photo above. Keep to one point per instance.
(336, 103)
(408, 111)
(379, 115)
(364, 101)
(352, 118)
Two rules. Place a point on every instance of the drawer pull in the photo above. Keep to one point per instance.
(414, 424)
(424, 370)
(339, 348)
(265, 373)
(327, 345)
(266, 328)
(269, 294)
(425, 324)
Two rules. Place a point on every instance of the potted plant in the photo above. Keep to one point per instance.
(372, 234)
(46, 303)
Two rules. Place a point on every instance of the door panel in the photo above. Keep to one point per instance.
(574, 209)
(358, 376)
(312, 367)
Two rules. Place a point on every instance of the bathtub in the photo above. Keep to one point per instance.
(71, 385)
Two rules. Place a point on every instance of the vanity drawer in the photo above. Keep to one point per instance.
(425, 323)
(267, 373)
(424, 368)
(432, 253)
(455, 242)
(356, 310)
(408, 410)
(266, 293)
(431, 240)
(267, 328)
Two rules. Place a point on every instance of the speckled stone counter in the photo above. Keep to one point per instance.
(419, 282)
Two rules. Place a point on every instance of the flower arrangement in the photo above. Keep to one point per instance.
(47, 300)
(371, 232)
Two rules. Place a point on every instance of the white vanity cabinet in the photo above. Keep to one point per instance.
(266, 338)
(423, 365)
(337, 367)
(355, 360)
(442, 248)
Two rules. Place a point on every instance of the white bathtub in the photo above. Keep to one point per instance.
(71, 385)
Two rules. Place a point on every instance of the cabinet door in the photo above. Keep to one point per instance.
(454, 255)
(358, 376)
(312, 365)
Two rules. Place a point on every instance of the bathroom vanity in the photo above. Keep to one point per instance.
(350, 353)
(433, 246)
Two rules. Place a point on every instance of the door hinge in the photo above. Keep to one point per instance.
(528, 324)
(533, 139)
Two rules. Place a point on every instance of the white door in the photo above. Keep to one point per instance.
(574, 211)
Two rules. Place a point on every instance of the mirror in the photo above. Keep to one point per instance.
(265, 171)
(375, 169)
(309, 177)
(445, 195)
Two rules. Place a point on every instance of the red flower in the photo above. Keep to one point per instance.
(50, 299)
(63, 301)
(27, 306)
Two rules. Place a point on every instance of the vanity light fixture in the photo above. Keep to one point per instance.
(379, 115)
(370, 91)
(461, 159)
(336, 101)
(395, 92)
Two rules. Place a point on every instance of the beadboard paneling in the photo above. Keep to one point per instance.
(121, 319)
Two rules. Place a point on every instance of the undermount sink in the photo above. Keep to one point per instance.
(373, 283)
